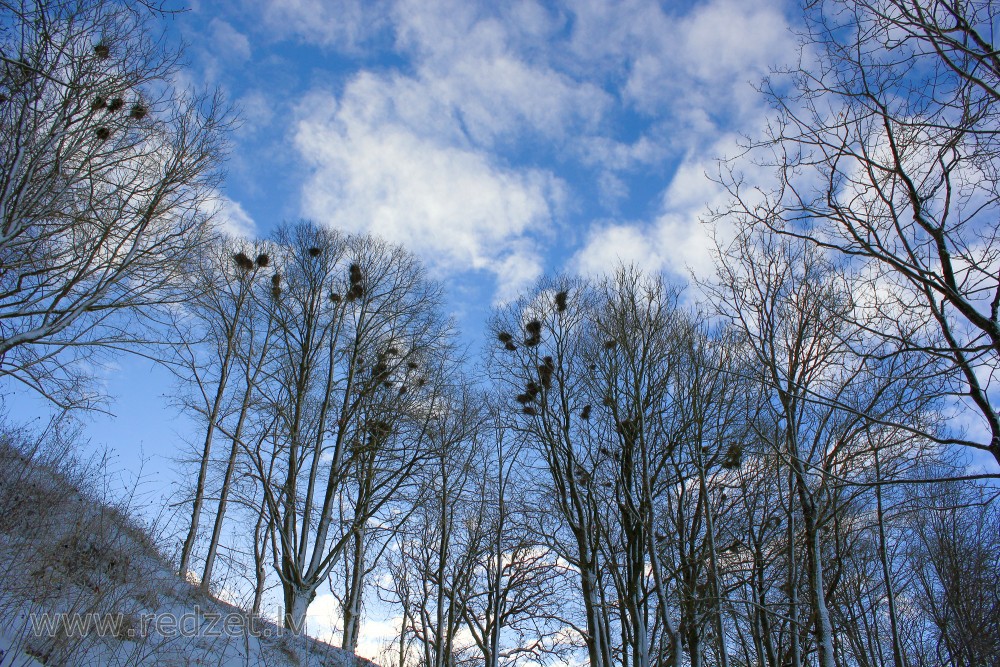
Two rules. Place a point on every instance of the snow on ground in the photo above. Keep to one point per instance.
(82, 584)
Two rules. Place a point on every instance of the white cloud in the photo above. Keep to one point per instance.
(325, 622)
(611, 245)
(345, 25)
(693, 74)
(232, 217)
(227, 42)
(430, 156)
(611, 189)
(323, 617)
(672, 243)
(490, 70)
(256, 111)
(374, 171)
(671, 63)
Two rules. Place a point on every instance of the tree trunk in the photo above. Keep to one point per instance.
(297, 601)
(897, 651)
(793, 576)
(206, 455)
(823, 626)
(713, 564)
(220, 514)
(352, 605)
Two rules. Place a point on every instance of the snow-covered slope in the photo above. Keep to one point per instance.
(82, 584)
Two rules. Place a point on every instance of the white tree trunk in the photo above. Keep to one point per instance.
(297, 602)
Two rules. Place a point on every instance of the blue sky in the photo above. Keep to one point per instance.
(498, 141)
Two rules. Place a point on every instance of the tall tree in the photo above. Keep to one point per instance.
(221, 348)
(885, 150)
(541, 364)
(106, 177)
(822, 398)
(358, 372)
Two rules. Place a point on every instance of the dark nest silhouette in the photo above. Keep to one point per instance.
(545, 370)
(733, 457)
(534, 331)
(380, 371)
(243, 262)
(379, 429)
(507, 340)
(356, 279)
(561, 301)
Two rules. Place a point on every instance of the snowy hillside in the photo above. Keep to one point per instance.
(81, 584)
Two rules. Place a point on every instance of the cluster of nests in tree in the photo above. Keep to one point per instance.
(533, 389)
(138, 111)
(507, 340)
(378, 431)
(244, 263)
(381, 371)
(533, 329)
(733, 457)
(356, 288)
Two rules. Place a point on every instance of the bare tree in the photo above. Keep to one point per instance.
(511, 601)
(885, 150)
(104, 186)
(358, 371)
(222, 339)
(955, 556)
(822, 399)
(633, 364)
(543, 341)
(439, 546)
(602, 405)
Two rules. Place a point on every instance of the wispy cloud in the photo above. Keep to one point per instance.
(513, 138)
(371, 171)
(232, 218)
(693, 74)
(346, 25)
